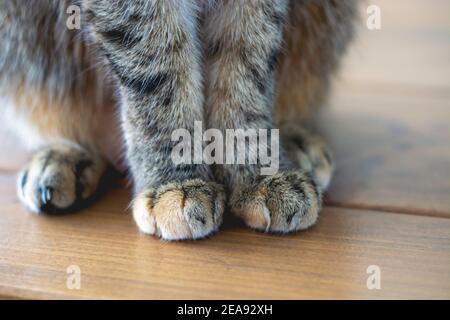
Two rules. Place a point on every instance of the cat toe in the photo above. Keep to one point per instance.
(282, 203)
(59, 179)
(190, 209)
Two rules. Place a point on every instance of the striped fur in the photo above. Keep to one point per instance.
(160, 66)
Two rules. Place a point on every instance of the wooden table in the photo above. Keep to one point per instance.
(388, 206)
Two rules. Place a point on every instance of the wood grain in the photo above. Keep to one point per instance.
(388, 122)
(392, 153)
(328, 261)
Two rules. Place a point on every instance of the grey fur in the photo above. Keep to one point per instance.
(174, 62)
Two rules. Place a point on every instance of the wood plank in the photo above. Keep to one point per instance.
(391, 146)
(392, 152)
(412, 47)
(328, 261)
(389, 116)
(389, 126)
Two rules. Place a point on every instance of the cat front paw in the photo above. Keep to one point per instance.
(282, 203)
(59, 178)
(191, 209)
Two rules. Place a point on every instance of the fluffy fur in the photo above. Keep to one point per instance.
(161, 65)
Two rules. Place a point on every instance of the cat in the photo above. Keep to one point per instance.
(112, 92)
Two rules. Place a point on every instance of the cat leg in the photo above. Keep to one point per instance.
(316, 36)
(62, 132)
(52, 96)
(65, 134)
(245, 40)
(309, 152)
(153, 49)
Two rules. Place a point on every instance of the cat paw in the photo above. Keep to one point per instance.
(59, 178)
(309, 152)
(282, 203)
(191, 209)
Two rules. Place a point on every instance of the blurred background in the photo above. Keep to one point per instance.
(389, 116)
(388, 122)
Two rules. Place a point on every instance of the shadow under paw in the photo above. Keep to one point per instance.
(60, 179)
